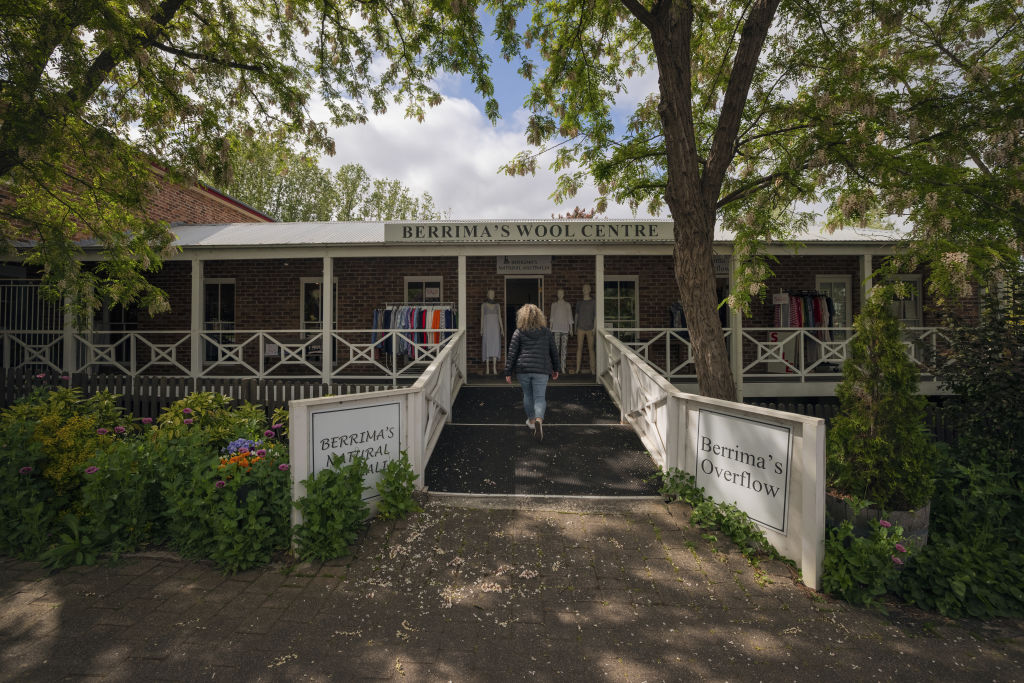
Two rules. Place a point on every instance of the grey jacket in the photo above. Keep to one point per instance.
(532, 351)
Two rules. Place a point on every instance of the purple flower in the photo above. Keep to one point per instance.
(41, 375)
(884, 523)
(900, 548)
(147, 420)
(283, 467)
(897, 561)
(102, 430)
(221, 484)
(119, 429)
(25, 470)
(269, 432)
(187, 411)
(277, 426)
(261, 452)
(189, 420)
(92, 470)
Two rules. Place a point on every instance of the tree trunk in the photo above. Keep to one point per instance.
(694, 218)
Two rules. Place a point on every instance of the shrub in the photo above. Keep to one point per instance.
(214, 414)
(396, 487)
(231, 510)
(878, 447)
(860, 569)
(333, 510)
(28, 503)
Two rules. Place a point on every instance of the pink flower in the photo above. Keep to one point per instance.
(283, 467)
(277, 426)
(884, 523)
(41, 375)
(221, 484)
(92, 470)
(187, 411)
(147, 420)
(269, 432)
(899, 547)
(27, 469)
(897, 561)
(102, 430)
(261, 452)
(65, 378)
(119, 429)
(189, 420)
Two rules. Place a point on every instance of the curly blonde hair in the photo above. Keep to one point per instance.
(529, 317)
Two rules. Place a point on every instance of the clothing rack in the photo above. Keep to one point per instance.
(432, 328)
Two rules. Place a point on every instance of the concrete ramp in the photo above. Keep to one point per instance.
(585, 452)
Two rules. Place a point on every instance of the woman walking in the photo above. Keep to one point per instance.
(532, 355)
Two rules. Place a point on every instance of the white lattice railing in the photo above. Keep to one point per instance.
(794, 354)
(260, 354)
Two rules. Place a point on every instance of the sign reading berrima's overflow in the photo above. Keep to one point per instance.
(341, 434)
(745, 462)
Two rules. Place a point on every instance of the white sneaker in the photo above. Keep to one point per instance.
(529, 423)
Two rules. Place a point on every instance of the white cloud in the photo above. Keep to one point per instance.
(455, 155)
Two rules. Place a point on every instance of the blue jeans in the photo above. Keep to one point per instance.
(535, 385)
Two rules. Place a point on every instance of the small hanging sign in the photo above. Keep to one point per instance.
(524, 265)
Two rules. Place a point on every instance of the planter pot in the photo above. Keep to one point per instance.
(914, 522)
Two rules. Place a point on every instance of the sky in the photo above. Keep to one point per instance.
(456, 152)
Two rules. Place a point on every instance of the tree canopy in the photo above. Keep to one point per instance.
(92, 91)
(292, 186)
(767, 108)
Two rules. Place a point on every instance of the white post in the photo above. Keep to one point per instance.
(69, 338)
(196, 324)
(602, 354)
(866, 269)
(736, 325)
(812, 484)
(462, 313)
(327, 318)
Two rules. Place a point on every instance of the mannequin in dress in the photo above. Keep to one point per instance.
(560, 322)
(586, 310)
(492, 329)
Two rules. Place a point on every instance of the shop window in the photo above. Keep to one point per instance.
(311, 308)
(906, 304)
(423, 290)
(110, 324)
(839, 289)
(620, 302)
(218, 315)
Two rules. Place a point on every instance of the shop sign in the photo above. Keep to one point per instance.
(721, 263)
(745, 462)
(530, 265)
(651, 232)
(341, 434)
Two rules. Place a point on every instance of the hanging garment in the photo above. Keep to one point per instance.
(490, 329)
(561, 317)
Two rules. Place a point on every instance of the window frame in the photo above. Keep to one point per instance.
(424, 279)
(635, 279)
(846, 280)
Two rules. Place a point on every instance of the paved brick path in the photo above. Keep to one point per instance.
(580, 591)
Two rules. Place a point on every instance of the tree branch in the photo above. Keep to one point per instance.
(755, 31)
(181, 52)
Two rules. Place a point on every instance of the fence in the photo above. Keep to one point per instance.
(146, 396)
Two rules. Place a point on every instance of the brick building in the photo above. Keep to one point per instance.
(247, 298)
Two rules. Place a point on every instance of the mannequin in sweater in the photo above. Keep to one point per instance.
(586, 311)
(560, 322)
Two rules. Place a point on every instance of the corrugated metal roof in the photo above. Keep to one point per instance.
(271, 234)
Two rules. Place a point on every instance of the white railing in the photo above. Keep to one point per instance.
(240, 354)
(787, 354)
(667, 420)
(424, 408)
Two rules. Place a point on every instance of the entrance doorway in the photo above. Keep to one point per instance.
(520, 291)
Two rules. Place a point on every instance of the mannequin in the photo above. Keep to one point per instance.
(560, 321)
(492, 329)
(586, 311)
